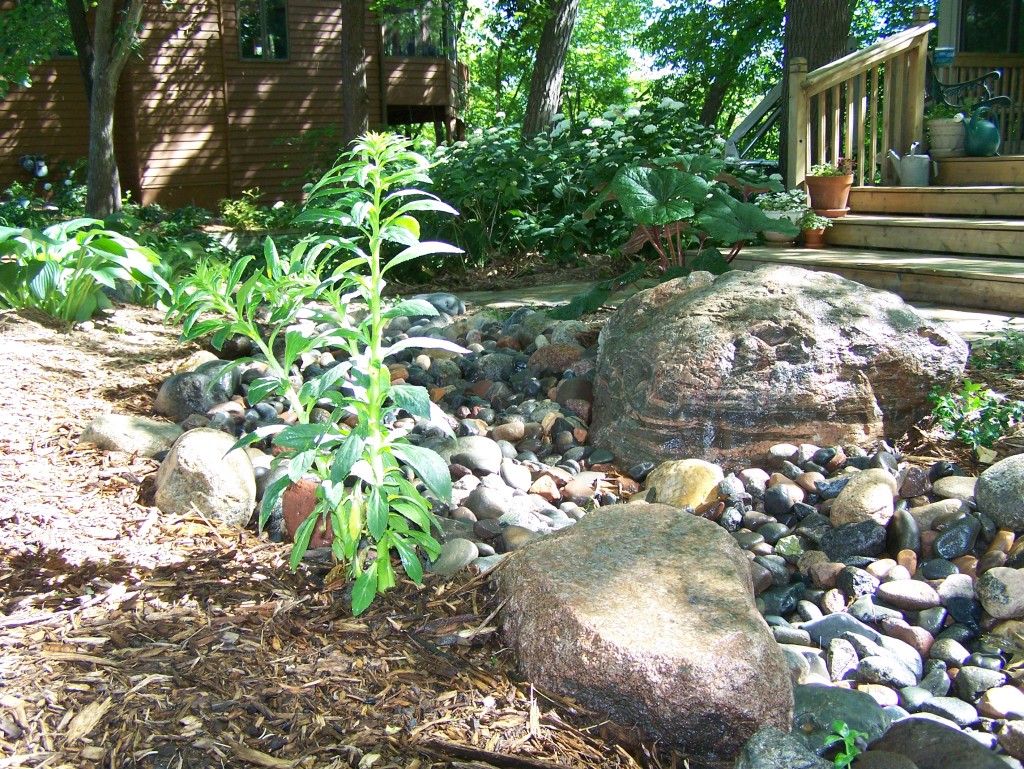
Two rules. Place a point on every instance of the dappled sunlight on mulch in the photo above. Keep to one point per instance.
(136, 640)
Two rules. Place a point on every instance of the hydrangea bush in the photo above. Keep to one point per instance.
(517, 195)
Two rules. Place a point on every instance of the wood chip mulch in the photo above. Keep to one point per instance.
(130, 639)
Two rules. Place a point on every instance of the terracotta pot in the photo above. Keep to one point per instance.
(830, 194)
(297, 502)
(772, 236)
(814, 238)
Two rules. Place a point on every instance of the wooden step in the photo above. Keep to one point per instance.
(1001, 169)
(993, 284)
(987, 201)
(936, 234)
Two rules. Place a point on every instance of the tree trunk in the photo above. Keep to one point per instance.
(714, 99)
(816, 30)
(355, 98)
(83, 42)
(546, 84)
(113, 36)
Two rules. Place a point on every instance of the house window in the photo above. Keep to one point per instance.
(423, 30)
(992, 26)
(263, 29)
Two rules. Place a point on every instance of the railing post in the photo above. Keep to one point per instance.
(797, 128)
(913, 120)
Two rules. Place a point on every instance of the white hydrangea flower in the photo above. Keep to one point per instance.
(675, 105)
(499, 115)
(587, 132)
(719, 141)
(649, 129)
(584, 116)
(478, 132)
(617, 135)
(632, 112)
(665, 103)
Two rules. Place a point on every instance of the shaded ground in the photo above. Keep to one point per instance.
(137, 640)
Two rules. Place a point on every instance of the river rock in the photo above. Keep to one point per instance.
(1001, 592)
(816, 707)
(133, 435)
(647, 614)
(1000, 493)
(202, 471)
(685, 482)
(723, 368)
(932, 745)
(868, 496)
(773, 748)
(188, 393)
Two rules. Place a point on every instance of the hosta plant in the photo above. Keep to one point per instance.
(368, 204)
(65, 270)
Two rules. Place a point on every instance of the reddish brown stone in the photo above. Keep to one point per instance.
(297, 502)
(555, 358)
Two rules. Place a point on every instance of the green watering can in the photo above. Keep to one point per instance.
(981, 137)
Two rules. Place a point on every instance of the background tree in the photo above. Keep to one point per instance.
(30, 33)
(354, 94)
(549, 67)
(718, 56)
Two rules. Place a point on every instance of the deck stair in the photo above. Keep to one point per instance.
(957, 245)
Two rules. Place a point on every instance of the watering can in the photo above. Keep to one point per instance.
(913, 169)
(981, 137)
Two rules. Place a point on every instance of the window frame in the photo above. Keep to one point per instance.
(263, 10)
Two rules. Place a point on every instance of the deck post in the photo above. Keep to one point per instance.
(797, 127)
(913, 123)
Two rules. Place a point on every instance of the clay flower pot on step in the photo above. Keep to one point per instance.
(830, 194)
(814, 238)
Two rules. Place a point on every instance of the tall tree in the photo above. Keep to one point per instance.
(355, 97)
(115, 33)
(549, 66)
(816, 30)
(718, 53)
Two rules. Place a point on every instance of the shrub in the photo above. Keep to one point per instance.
(975, 416)
(67, 269)
(519, 194)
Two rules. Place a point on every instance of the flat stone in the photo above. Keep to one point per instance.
(885, 670)
(130, 434)
(958, 539)
(955, 487)
(455, 555)
(816, 707)
(956, 710)
(1002, 702)
(972, 682)
(908, 594)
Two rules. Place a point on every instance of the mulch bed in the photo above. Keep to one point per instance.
(136, 640)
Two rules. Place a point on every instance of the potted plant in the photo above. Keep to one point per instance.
(814, 226)
(787, 204)
(829, 185)
(944, 128)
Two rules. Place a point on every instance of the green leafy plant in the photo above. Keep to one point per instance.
(849, 750)
(1004, 351)
(842, 167)
(683, 205)
(246, 213)
(812, 221)
(975, 416)
(67, 269)
(785, 200)
(369, 204)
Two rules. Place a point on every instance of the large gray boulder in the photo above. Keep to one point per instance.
(202, 471)
(722, 368)
(647, 613)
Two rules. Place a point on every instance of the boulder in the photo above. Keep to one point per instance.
(647, 613)
(202, 471)
(134, 435)
(722, 369)
(1000, 493)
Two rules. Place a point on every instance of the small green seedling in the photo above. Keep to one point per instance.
(841, 732)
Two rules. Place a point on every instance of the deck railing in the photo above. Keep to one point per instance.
(859, 106)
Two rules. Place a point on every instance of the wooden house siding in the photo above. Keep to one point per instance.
(196, 123)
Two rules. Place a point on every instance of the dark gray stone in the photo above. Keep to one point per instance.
(972, 682)
(919, 739)
(853, 539)
(772, 748)
(958, 539)
(815, 707)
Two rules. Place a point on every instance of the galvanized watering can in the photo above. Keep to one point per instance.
(913, 170)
